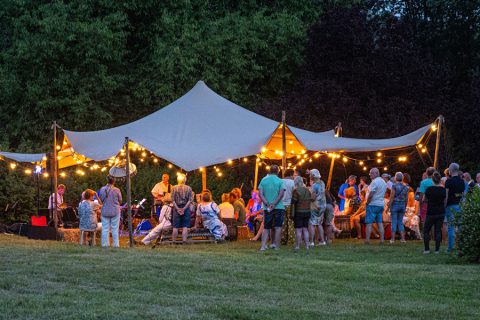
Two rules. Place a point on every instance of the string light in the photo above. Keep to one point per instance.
(385, 169)
(28, 171)
(63, 174)
(258, 160)
(219, 174)
(379, 154)
(80, 172)
(345, 159)
(170, 166)
(402, 159)
(216, 169)
(424, 150)
(103, 169)
(44, 158)
(245, 159)
(291, 142)
(155, 160)
(364, 168)
(267, 167)
(420, 145)
(361, 163)
(316, 155)
(229, 161)
(201, 169)
(142, 160)
(13, 165)
(144, 154)
(434, 127)
(45, 174)
(379, 160)
(264, 149)
(337, 156)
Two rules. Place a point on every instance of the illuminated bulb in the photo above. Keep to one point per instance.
(229, 161)
(28, 171)
(95, 166)
(260, 164)
(310, 160)
(420, 145)
(45, 175)
(304, 155)
(291, 142)
(155, 160)
(103, 169)
(317, 155)
(424, 150)
(218, 170)
(364, 168)
(385, 168)
(58, 147)
(63, 174)
(379, 160)
(379, 154)
(298, 156)
(303, 151)
(58, 157)
(268, 167)
(281, 153)
(91, 169)
(264, 149)
(201, 169)
(142, 160)
(44, 158)
(79, 161)
(258, 160)
(434, 127)
(337, 156)
(245, 159)
(361, 163)
(144, 154)
(170, 166)
(64, 143)
(13, 165)
(219, 174)
(289, 164)
(345, 159)
(85, 164)
(277, 152)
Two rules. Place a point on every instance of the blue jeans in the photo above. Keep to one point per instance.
(449, 215)
(397, 211)
(113, 223)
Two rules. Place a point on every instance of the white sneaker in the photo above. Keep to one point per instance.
(392, 241)
(273, 246)
(311, 244)
(426, 252)
(322, 244)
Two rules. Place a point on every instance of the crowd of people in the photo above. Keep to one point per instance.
(295, 210)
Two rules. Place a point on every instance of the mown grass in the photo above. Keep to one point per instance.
(54, 280)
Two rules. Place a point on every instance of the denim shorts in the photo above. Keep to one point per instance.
(182, 221)
(273, 218)
(374, 214)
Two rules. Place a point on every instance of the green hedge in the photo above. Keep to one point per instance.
(469, 227)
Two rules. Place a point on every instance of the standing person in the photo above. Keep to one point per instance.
(182, 198)
(470, 184)
(455, 187)
(111, 197)
(329, 215)
(375, 204)
(427, 182)
(398, 205)
(288, 229)
(56, 208)
(159, 191)
(351, 182)
(436, 199)
(271, 190)
(318, 206)
(301, 200)
(210, 212)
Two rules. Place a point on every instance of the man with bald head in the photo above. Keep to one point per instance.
(375, 204)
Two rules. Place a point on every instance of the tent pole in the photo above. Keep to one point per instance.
(284, 145)
(55, 178)
(437, 142)
(204, 179)
(129, 192)
(338, 132)
(255, 181)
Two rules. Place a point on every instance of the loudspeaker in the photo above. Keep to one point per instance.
(42, 233)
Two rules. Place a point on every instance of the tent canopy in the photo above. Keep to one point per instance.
(23, 157)
(202, 128)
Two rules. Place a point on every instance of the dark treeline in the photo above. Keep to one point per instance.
(382, 68)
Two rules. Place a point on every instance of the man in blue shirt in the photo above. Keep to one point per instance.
(271, 190)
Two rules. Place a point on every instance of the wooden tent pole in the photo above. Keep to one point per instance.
(255, 181)
(437, 142)
(338, 132)
(55, 177)
(204, 178)
(129, 192)
(284, 145)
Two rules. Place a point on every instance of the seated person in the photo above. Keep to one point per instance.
(87, 211)
(226, 208)
(255, 215)
(352, 201)
(240, 213)
(210, 212)
(164, 221)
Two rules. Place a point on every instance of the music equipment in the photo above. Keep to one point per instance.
(70, 218)
(42, 233)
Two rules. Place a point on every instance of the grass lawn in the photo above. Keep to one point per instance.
(347, 280)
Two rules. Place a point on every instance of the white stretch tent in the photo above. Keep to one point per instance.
(202, 128)
(23, 157)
